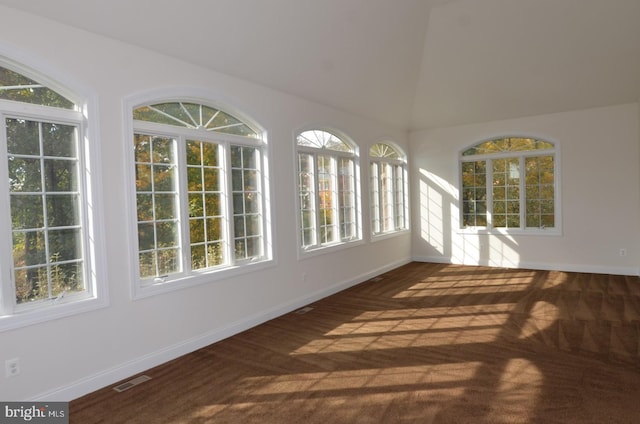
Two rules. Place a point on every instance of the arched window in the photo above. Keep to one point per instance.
(199, 184)
(327, 193)
(388, 189)
(510, 184)
(46, 221)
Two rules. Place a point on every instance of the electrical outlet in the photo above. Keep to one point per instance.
(12, 367)
(623, 252)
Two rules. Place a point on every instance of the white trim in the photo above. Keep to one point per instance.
(134, 366)
(543, 266)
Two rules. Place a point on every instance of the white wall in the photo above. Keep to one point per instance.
(600, 187)
(68, 357)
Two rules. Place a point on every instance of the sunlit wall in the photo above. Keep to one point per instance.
(600, 190)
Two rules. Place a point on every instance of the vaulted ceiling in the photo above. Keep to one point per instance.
(414, 64)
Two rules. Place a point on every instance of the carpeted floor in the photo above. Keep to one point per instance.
(425, 343)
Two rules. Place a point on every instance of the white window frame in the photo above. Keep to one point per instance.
(521, 156)
(356, 215)
(142, 288)
(399, 191)
(13, 315)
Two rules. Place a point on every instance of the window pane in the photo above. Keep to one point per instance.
(214, 229)
(59, 140)
(147, 264)
(167, 234)
(168, 261)
(23, 137)
(67, 278)
(508, 144)
(22, 89)
(197, 233)
(143, 177)
(25, 174)
(192, 115)
(212, 204)
(65, 245)
(215, 254)
(198, 256)
(211, 179)
(145, 207)
(322, 140)
(27, 211)
(164, 178)
(60, 175)
(165, 206)
(382, 150)
(63, 210)
(31, 284)
(29, 248)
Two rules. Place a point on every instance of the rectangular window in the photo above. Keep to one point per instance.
(157, 205)
(387, 198)
(474, 194)
(400, 197)
(204, 214)
(375, 198)
(327, 193)
(45, 204)
(347, 198)
(540, 193)
(307, 193)
(247, 217)
(205, 204)
(506, 193)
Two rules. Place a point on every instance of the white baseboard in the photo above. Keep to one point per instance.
(138, 365)
(594, 269)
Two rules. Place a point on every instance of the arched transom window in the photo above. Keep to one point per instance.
(327, 193)
(510, 183)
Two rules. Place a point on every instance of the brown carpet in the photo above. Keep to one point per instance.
(425, 343)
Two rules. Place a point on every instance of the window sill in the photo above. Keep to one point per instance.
(326, 249)
(389, 234)
(145, 289)
(511, 232)
(46, 313)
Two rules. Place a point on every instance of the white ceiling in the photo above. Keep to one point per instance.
(411, 63)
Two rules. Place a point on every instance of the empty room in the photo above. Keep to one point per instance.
(320, 211)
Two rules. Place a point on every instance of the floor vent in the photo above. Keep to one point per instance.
(304, 310)
(129, 384)
(376, 279)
